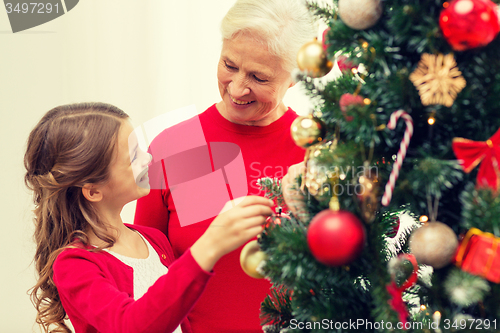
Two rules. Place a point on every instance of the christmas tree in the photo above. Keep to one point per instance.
(401, 173)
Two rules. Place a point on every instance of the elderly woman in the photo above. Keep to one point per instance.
(261, 39)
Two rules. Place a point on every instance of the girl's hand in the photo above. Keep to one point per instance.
(240, 220)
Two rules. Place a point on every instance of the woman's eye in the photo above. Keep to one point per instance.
(135, 156)
(259, 80)
(230, 67)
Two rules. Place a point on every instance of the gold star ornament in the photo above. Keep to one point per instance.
(437, 79)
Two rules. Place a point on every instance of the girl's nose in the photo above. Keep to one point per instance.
(149, 159)
(145, 159)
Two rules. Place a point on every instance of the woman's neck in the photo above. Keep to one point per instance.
(263, 121)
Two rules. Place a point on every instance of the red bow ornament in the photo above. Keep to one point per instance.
(396, 291)
(471, 153)
(396, 302)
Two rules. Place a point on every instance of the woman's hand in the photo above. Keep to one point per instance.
(294, 198)
(240, 220)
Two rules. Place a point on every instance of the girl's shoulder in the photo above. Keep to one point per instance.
(79, 257)
(78, 250)
(152, 234)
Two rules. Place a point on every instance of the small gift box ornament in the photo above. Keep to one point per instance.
(479, 254)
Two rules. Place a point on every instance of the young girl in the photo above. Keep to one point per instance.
(83, 165)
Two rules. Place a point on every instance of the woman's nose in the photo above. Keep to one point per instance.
(238, 87)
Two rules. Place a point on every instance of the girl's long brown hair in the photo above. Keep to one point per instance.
(72, 145)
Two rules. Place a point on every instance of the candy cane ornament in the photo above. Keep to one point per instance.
(389, 187)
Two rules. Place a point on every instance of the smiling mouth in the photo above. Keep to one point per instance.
(236, 101)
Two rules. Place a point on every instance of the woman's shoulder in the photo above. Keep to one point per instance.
(290, 114)
(178, 128)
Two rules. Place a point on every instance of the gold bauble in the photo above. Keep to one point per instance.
(367, 193)
(251, 257)
(318, 179)
(313, 59)
(433, 244)
(322, 172)
(307, 131)
(360, 14)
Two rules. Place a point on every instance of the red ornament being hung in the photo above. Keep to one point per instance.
(336, 238)
(276, 219)
(467, 24)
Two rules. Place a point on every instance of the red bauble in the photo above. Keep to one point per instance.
(467, 24)
(336, 238)
(323, 42)
(348, 100)
(344, 64)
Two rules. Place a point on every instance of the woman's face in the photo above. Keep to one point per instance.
(252, 82)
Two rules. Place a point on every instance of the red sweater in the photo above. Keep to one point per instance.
(231, 301)
(96, 290)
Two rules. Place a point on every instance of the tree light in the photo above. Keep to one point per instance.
(423, 218)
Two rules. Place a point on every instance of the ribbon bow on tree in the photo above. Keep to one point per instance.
(405, 281)
(471, 153)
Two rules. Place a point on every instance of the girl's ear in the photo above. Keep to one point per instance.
(92, 193)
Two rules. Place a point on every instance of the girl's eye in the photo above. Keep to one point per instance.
(259, 80)
(135, 156)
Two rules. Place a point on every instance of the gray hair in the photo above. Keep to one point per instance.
(283, 25)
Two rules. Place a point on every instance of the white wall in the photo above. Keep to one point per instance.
(145, 56)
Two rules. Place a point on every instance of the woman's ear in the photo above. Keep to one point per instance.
(92, 193)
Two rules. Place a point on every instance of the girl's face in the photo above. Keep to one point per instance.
(252, 82)
(128, 169)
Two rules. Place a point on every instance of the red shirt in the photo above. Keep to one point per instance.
(231, 301)
(97, 292)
